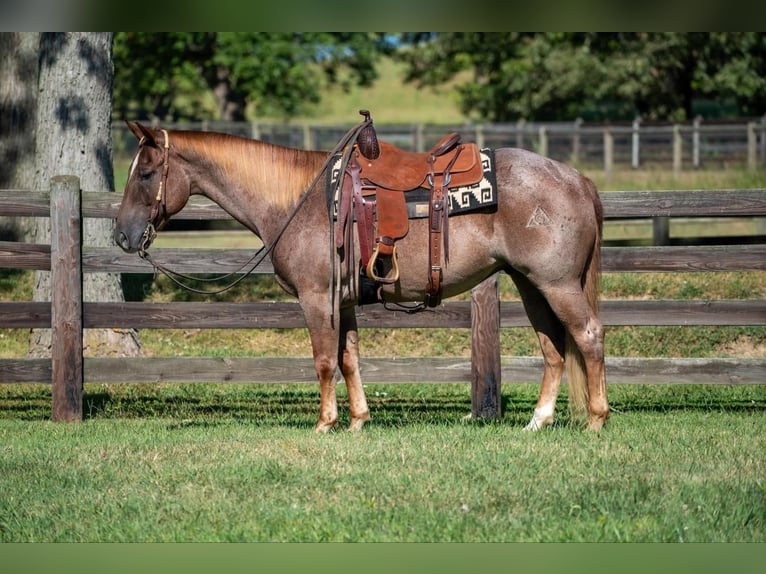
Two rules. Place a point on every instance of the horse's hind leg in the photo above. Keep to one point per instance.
(349, 364)
(552, 337)
(587, 377)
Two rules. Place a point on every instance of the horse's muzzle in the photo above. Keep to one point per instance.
(123, 241)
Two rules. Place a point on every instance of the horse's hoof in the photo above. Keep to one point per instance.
(540, 420)
(357, 424)
(534, 425)
(324, 428)
(595, 425)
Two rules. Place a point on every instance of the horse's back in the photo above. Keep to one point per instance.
(549, 214)
(523, 170)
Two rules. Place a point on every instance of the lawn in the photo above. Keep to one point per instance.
(209, 463)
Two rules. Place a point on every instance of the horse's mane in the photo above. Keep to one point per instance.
(278, 174)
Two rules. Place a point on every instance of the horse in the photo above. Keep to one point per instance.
(545, 233)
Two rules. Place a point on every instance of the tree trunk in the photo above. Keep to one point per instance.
(74, 138)
(18, 103)
(231, 105)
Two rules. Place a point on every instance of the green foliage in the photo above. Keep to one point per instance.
(497, 76)
(228, 75)
(594, 75)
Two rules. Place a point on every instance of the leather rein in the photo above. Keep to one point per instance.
(159, 207)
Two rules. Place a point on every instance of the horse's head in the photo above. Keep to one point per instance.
(154, 190)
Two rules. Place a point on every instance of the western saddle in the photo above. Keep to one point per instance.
(377, 177)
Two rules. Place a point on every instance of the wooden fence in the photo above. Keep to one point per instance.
(67, 315)
(688, 145)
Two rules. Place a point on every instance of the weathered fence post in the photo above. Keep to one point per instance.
(479, 134)
(660, 231)
(752, 140)
(608, 154)
(66, 299)
(696, 142)
(417, 138)
(575, 159)
(485, 350)
(542, 134)
(520, 126)
(635, 153)
(677, 149)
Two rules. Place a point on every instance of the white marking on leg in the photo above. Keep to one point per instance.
(542, 417)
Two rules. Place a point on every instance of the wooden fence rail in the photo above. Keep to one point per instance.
(67, 314)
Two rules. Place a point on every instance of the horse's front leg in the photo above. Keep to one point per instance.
(324, 334)
(349, 364)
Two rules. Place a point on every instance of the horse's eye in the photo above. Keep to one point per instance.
(145, 174)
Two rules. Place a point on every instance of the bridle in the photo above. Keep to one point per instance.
(160, 201)
(159, 207)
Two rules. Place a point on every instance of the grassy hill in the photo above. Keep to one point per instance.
(390, 100)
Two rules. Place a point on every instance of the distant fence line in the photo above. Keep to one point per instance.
(688, 145)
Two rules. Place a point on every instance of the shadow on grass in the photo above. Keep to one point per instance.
(297, 406)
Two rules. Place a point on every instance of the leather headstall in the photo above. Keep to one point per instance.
(160, 201)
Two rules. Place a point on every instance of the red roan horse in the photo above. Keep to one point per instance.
(546, 234)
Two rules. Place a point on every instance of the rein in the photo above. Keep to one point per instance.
(160, 203)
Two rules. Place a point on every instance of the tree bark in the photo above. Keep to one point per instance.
(18, 103)
(73, 137)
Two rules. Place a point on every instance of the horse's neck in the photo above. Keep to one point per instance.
(261, 199)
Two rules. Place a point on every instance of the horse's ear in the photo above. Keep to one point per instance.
(141, 132)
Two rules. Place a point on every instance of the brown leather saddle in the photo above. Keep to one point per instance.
(377, 177)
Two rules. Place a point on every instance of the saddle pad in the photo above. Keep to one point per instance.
(482, 195)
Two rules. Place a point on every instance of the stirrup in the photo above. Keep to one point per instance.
(393, 277)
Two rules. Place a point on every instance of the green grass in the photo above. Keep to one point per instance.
(240, 463)
(389, 99)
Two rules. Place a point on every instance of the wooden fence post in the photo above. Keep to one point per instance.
(479, 134)
(635, 149)
(417, 139)
(696, 142)
(660, 231)
(66, 299)
(575, 158)
(677, 149)
(752, 140)
(542, 134)
(485, 350)
(608, 154)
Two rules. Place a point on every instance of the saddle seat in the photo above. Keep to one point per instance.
(402, 170)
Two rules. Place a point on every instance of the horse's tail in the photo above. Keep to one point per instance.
(577, 380)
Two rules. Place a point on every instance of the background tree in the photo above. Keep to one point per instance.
(739, 73)
(18, 102)
(73, 136)
(226, 75)
(560, 76)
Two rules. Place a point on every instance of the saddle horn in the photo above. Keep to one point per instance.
(367, 141)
